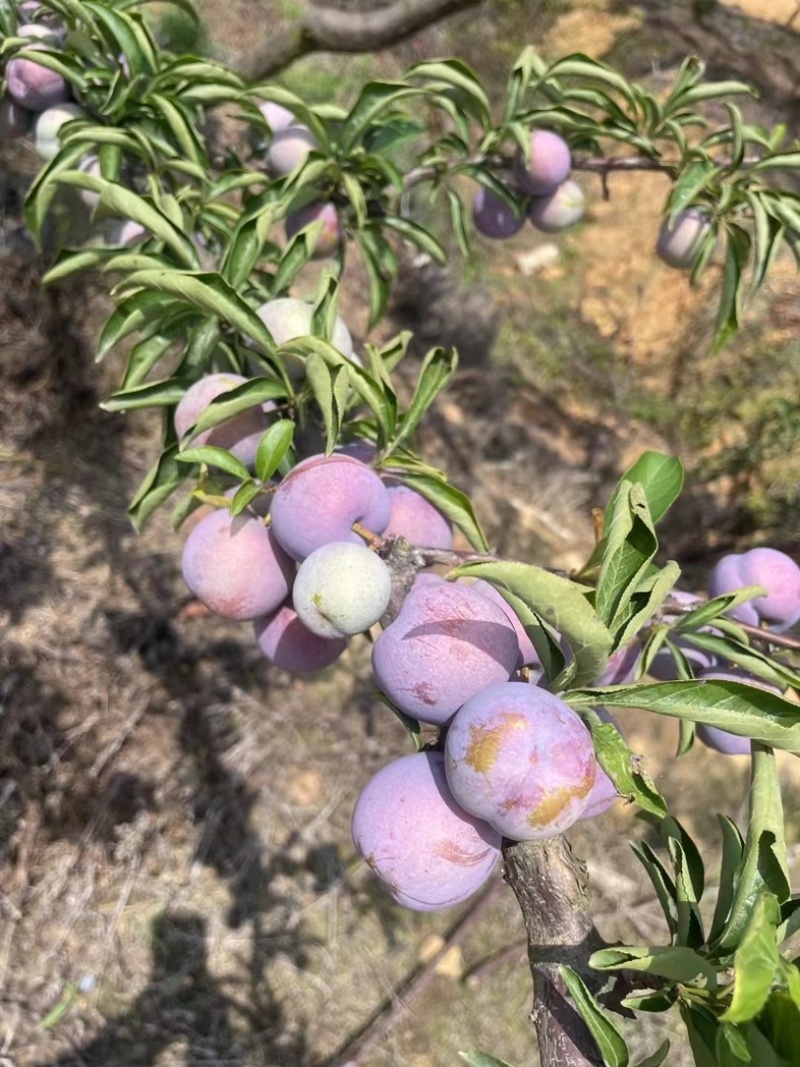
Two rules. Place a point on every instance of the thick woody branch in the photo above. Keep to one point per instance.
(551, 888)
(327, 30)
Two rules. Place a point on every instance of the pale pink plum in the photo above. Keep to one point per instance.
(236, 567)
(527, 653)
(276, 116)
(726, 577)
(48, 124)
(288, 318)
(319, 500)
(558, 211)
(239, 435)
(341, 589)
(549, 166)
(678, 245)
(428, 852)
(290, 645)
(90, 165)
(34, 86)
(521, 759)
(15, 120)
(416, 519)
(493, 217)
(36, 31)
(446, 644)
(289, 149)
(780, 576)
(329, 237)
(722, 740)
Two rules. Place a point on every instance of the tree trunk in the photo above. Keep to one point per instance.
(551, 888)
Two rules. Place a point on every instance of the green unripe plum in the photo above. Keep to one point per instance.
(550, 163)
(341, 589)
(290, 645)
(493, 217)
(447, 643)
(289, 149)
(47, 125)
(236, 567)
(429, 853)
(15, 120)
(329, 237)
(240, 434)
(288, 317)
(679, 244)
(521, 759)
(558, 211)
(34, 86)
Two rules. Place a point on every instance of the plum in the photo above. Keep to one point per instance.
(664, 669)
(559, 210)
(15, 120)
(341, 589)
(428, 852)
(521, 759)
(621, 666)
(679, 244)
(289, 149)
(777, 572)
(288, 318)
(493, 217)
(239, 434)
(319, 500)
(126, 233)
(416, 519)
(236, 566)
(447, 643)
(549, 166)
(290, 645)
(33, 85)
(275, 115)
(47, 125)
(329, 237)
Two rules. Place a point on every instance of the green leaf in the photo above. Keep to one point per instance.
(662, 882)
(417, 235)
(374, 99)
(631, 544)
(152, 394)
(329, 386)
(455, 73)
(645, 603)
(70, 261)
(658, 1057)
(608, 1039)
(215, 457)
(561, 603)
(411, 725)
(689, 881)
(128, 205)
(247, 395)
(460, 219)
(160, 482)
(740, 709)
(732, 851)
(737, 252)
(748, 659)
(246, 492)
(436, 372)
(132, 314)
(272, 447)
(622, 767)
(764, 864)
(756, 962)
(677, 963)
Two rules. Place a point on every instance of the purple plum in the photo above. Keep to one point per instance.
(290, 645)
(416, 519)
(679, 244)
(549, 165)
(493, 217)
(239, 434)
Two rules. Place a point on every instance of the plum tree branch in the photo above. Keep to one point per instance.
(325, 29)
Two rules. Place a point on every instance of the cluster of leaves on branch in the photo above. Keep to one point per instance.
(210, 253)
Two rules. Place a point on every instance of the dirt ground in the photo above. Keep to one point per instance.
(178, 885)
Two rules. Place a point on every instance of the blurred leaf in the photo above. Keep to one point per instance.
(411, 725)
(737, 252)
(631, 544)
(661, 880)
(689, 881)
(732, 851)
(756, 962)
(608, 1039)
(151, 394)
(658, 1057)
(436, 372)
(454, 504)
(241, 398)
(561, 603)
(677, 963)
(374, 99)
(160, 482)
(620, 764)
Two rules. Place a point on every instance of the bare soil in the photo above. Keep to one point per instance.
(177, 881)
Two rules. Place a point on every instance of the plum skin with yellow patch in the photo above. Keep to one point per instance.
(429, 853)
(522, 760)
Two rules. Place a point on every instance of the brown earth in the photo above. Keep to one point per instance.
(178, 882)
